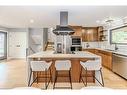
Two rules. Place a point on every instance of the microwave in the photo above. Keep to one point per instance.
(76, 41)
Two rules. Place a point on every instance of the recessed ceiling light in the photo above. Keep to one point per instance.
(98, 21)
(109, 20)
(31, 21)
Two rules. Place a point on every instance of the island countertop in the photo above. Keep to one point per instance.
(51, 54)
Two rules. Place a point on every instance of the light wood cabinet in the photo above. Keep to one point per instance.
(106, 57)
(89, 50)
(89, 34)
(77, 30)
(102, 34)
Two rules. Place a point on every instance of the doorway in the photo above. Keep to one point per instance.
(17, 44)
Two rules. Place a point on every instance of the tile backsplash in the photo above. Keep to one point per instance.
(91, 44)
(104, 45)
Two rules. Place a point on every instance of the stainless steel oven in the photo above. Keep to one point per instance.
(76, 41)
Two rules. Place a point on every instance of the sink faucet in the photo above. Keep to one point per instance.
(87, 45)
(116, 48)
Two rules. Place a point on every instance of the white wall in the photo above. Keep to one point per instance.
(51, 35)
(37, 38)
(91, 44)
(16, 30)
(43, 33)
(19, 30)
(45, 37)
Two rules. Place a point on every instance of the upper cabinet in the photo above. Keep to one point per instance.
(89, 34)
(102, 34)
(77, 30)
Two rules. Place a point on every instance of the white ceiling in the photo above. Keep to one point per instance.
(48, 16)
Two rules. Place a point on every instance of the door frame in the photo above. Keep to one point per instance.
(5, 45)
(10, 57)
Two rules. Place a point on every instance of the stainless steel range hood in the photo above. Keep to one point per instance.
(63, 28)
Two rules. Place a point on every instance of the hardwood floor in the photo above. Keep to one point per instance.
(13, 74)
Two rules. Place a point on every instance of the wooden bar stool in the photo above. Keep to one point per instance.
(91, 65)
(39, 66)
(61, 65)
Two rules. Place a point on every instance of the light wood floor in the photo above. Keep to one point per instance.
(13, 74)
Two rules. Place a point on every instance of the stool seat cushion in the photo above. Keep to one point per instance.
(63, 65)
(92, 64)
(40, 65)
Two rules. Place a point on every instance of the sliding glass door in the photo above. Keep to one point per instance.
(3, 45)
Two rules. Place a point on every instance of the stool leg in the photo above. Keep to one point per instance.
(102, 84)
(85, 83)
(45, 78)
(55, 79)
(86, 76)
(80, 75)
(30, 77)
(33, 81)
(70, 78)
(37, 77)
(93, 77)
(50, 75)
(102, 77)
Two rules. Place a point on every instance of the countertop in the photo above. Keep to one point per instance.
(124, 53)
(77, 54)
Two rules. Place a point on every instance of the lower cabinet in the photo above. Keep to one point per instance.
(106, 57)
(89, 50)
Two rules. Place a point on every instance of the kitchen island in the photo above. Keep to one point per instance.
(75, 59)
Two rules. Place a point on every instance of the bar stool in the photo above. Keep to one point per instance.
(91, 65)
(61, 65)
(39, 66)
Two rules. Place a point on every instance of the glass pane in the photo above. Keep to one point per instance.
(3, 45)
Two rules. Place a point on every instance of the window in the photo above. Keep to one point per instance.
(3, 45)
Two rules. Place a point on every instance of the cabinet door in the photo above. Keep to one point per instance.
(77, 30)
(84, 35)
(105, 60)
(109, 62)
(90, 34)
